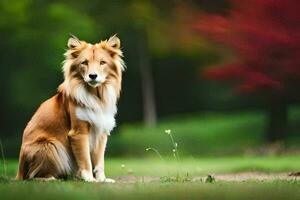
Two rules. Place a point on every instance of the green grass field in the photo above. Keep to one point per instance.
(153, 179)
(205, 134)
(141, 174)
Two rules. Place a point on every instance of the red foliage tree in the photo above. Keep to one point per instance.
(265, 37)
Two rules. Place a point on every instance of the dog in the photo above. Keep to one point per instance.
(68, 133)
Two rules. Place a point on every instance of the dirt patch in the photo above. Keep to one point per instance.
(137, 179)
(237, 177)
(249, 176)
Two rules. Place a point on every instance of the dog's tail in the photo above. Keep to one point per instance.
(44, 158)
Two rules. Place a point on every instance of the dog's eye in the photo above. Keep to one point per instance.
(85, 62)
(102, 62)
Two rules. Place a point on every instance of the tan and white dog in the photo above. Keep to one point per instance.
(68, 133)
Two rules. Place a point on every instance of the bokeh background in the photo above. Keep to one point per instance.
(223, 75)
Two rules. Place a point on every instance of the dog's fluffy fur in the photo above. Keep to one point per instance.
(68, 133)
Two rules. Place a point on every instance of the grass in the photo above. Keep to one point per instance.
(158, 189)
(149, 177)
(203, 134)
(79, 190)
(208, 132)
(204, 166)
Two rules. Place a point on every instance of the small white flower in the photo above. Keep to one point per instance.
(147, 149)
(168, 131)
(176, 145)
(122, 166)
(174, 150)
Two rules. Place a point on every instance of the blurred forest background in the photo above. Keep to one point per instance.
(173, 50)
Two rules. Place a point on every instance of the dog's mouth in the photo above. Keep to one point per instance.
(93, 83)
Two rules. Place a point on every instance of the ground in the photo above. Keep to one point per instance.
(149, 178)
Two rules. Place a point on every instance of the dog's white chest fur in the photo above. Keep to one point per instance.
(101, 121)
(101, 116)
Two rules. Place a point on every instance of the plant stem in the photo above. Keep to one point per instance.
(157, 152)
(175, 146)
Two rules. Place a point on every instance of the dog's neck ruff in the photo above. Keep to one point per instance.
(100, 111)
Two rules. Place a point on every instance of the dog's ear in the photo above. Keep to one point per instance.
(114, 42)
(73, 42)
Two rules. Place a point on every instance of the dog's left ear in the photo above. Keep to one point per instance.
(114, 42)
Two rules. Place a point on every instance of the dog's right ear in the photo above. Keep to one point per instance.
(73, 42)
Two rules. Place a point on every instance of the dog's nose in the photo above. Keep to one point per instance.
(93, 76)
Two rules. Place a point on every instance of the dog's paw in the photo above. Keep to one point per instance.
(109, 180)
(87, 176)
(105, 180)
(91, 180)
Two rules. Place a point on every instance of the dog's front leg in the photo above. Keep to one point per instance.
(98, 160)
(79, 140)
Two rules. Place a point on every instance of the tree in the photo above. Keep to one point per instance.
(265, 37)
(134, 17)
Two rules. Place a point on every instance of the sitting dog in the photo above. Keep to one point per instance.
(68, 133)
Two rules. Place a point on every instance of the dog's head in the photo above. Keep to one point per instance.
(94, 64)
